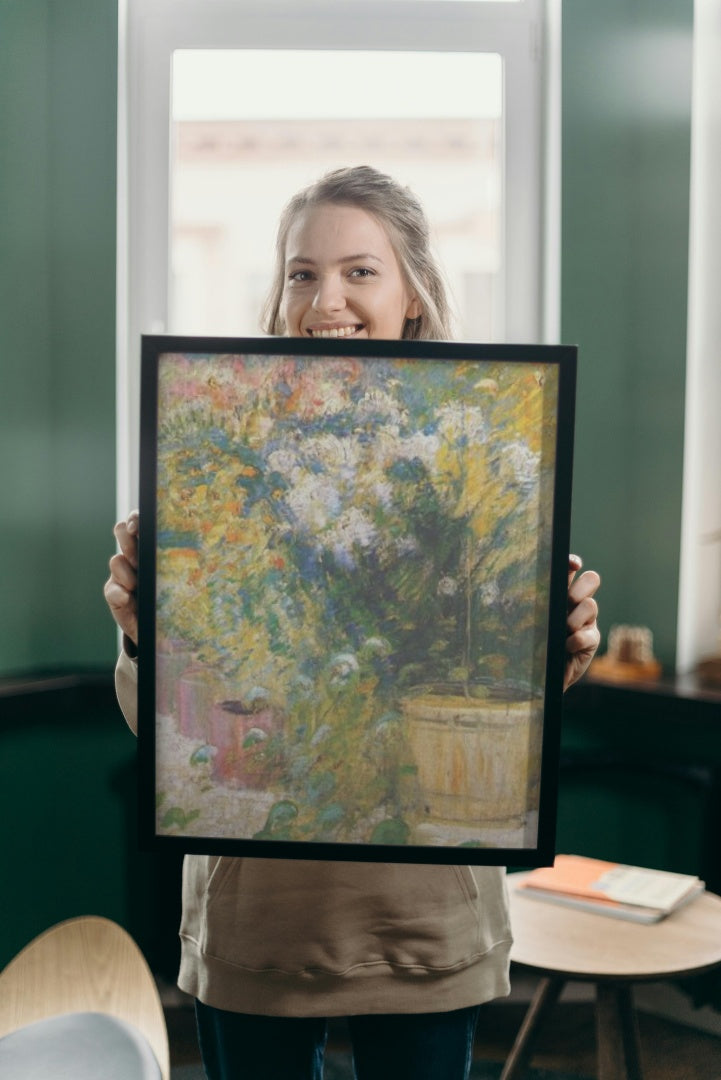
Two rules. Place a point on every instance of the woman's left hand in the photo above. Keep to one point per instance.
(583, 635)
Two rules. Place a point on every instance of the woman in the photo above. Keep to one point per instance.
(271, 948)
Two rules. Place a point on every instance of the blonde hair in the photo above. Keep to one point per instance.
(403, 217)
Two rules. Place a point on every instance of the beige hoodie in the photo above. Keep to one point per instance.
(285, 937)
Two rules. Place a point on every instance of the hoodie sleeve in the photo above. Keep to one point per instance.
(126, 688)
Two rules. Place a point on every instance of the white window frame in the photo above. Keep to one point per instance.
(526, 34)
(699, 596)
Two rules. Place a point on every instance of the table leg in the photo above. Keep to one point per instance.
(545, 997)
(617, 1033)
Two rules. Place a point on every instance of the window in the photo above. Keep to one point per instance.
(236, 160)
(227, 107)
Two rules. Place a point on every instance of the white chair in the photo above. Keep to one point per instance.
(80, 1002)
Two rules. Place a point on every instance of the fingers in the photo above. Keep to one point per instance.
(583, 587)
(582, 607)
(582, 613)
(123, 608)
(126, 534)
(575, 562)
(121, 587)
(584, 641)
(123, 572)
(583, 636)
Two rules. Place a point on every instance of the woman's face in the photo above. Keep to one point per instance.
(342, 277)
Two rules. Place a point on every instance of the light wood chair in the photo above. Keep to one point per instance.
(84, 965)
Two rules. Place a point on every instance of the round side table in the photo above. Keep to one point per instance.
(563, 944)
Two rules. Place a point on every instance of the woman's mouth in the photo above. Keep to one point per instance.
(335, 331)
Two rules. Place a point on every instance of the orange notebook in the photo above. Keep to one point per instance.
(631, 892)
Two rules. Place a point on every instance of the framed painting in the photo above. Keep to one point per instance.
(352, 597)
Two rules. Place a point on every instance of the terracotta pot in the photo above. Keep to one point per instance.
(196, 692)
(171, 659)
(234, 764)
(477, 759)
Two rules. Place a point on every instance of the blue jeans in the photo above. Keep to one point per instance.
(415, 1046)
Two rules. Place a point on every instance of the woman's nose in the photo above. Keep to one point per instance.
(329, 296)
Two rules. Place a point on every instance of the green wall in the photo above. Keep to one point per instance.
(625, 200)
(58, 72)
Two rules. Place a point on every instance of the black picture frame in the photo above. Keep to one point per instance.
(353, 572)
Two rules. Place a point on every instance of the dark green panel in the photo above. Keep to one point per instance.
(68, 786)
(83, 75)
(626, 146)
(58, 75)
(641, 777)
(25, 379)
(627, 816)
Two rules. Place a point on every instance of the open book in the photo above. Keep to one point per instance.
(608, 888)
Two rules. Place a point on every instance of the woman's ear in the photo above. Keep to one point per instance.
(415, 309)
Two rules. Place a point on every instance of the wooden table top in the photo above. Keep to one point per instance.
(559, 940)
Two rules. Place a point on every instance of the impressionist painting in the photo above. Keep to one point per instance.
(352, 592)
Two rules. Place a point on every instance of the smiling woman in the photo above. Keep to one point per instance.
(353, 259)
(335, 293)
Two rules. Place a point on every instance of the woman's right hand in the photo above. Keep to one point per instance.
(121, 587)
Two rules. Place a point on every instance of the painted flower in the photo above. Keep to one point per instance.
(406, 545)
(389, 448)
(520, 464)
(336, 456)
(377, 404)
(447, 586)
(314, 502)
(490, 592)
(352, 529)
(342, 667)
(462, 424)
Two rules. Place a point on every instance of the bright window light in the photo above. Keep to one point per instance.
(239, 155)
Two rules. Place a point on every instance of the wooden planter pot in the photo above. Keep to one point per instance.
(476, 759)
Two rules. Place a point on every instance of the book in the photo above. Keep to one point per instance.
(621, 891)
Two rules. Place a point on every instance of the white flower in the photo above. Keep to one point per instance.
(344, 663)
(353, 528)
(314, 501)
(377, 645)
(521, 462)
(418, 445)
(388, 447)
(406, 545)
(457, 421)
(339, 457)
(377, 402)
(489, 592)
(447, 586)
(342, 667)
(284, 461)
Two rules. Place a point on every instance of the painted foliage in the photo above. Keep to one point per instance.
(352, 566)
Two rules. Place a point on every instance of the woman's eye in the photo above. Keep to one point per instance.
(362, 272)
(300, 276)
